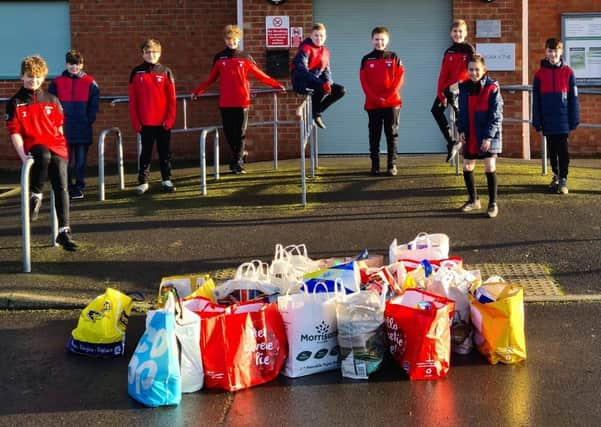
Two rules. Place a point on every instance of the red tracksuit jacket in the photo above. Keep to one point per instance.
(151, 96)
(232, 68)
(454, 67)
(382, 74)
(37, 116)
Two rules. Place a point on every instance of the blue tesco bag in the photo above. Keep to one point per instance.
(153, 373)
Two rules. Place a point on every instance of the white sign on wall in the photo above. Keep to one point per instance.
(498, 56)
(277, 31)
(488, 28)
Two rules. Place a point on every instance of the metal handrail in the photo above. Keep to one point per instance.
(119, 146)
(308, 135)
(204, 132)
(25, 217)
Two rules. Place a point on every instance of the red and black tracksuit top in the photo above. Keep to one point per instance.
(453, 68)
(310, 66)
(151, 96)
(480, 114)
(79, 95)
(37, 116)
(382, 75)
(232, 67)
(555, 108)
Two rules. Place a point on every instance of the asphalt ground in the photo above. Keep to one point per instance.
(129, 242)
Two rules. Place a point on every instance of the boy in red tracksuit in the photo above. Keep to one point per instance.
(79, 96)
(34, 119)
(452, 72)
(311, 72)
(152, 112)
(555, 110)
(232, 67)
(382, 74)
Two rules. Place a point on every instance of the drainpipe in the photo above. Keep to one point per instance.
(240, 19)
(525, 81)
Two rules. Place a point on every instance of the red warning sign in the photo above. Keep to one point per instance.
(277, 31)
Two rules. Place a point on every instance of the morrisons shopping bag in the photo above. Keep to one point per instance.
(153, 373)
(311, 330)
(101, 326)
(418, 330)
(497, 312)
(242, 345)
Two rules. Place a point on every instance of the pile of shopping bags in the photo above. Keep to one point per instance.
(296, 316)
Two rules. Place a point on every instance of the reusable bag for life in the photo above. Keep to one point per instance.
(499, 325)
(242, 345)
(424, 246)
(311, 329)
(418, 332)
(153, 373)
(101, 327)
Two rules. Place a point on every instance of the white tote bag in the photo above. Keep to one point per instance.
(187, 331)
(311, 329)
(424, 246)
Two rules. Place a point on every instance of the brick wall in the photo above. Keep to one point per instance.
(545, 22)
(109, 34)
(509, 12)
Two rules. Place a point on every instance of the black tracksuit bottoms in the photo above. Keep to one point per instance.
(235, 121)
(387, 118)
(47, 164)
(162, 136)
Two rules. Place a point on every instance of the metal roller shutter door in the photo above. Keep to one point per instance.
(419, 34)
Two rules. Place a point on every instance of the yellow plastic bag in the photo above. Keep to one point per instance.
(497, 313)
(101, 326)
(187, 287)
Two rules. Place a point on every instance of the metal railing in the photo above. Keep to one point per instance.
(25, 217)
(119, 147)
(205, 131)
(528, 88)
(308, 135)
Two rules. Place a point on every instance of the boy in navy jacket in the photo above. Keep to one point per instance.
(382, 74)
(232, 67)
(452, 72)
(555, 110)
(479, 127)
(79, 96)
(34, 119)
(311, 70)
(152, 111)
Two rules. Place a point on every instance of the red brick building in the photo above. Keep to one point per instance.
(109, 33)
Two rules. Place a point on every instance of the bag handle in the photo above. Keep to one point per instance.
(421, 237)
(139, 296)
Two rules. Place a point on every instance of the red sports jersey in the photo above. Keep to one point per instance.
(151, 96)
(37, 117)
(454, 67)
(382, 74)
(232, 67)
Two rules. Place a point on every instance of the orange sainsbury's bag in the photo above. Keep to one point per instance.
(418, 330)
(497, 312)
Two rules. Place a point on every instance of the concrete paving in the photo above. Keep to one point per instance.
(130, 242)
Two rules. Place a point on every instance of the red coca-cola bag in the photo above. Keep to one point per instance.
(418, 330)
(242, 345)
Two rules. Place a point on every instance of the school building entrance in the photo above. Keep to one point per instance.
(419, 35)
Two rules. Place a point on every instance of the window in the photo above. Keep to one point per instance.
(34, 27)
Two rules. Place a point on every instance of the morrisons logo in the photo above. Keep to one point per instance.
(322, 333)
